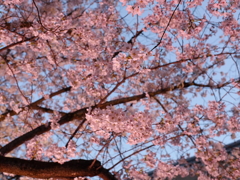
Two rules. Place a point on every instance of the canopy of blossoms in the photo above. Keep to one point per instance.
(114, 89)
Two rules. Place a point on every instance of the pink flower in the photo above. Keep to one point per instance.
(134, 10)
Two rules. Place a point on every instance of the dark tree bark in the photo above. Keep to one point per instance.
(43, 170)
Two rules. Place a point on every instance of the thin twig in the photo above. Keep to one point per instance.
(190, 137)
(130, 156)
(16, 81)
(166, 27)
(101, 151)
(38, 13)
(75, 132)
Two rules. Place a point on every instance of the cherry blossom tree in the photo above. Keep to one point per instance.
(113, 89)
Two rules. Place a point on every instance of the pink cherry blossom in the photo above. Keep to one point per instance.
(119, 89)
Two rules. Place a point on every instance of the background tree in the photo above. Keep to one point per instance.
(113, 89)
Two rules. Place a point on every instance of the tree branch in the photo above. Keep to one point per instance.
(17, 43)
(80, 114)
(35, 104)
(43, 170)
(166, 27)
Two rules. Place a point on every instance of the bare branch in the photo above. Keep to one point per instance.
(43, 170)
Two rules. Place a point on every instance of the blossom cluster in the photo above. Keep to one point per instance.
(135, 125)
(37, 151)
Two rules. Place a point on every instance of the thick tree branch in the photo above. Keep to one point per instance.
(35, 104)
(43, 170)
(31, 134)
(80, 114)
